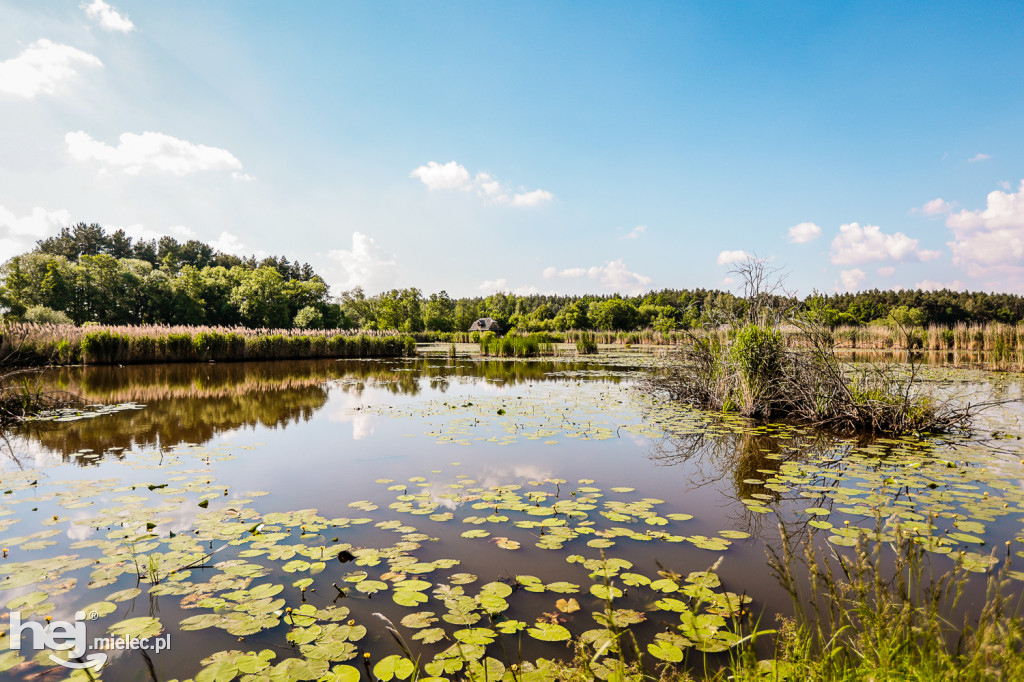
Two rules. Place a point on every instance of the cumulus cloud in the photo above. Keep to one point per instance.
(108, 17)
(567, 273)
(936, 206)
(932, 285)
(887, 271)
(731, 257)
(534, 198)
(151, 151)
(636, 232)
(855, 244)
(19, 234)
(613, 275)
(44, 67)
(991, 240)
(229, 243)
(366, 264)
(139, 232)
(978, 157)
(851, 279)
(804, 232)
(491, 286)
(454, 176)
(437, 176)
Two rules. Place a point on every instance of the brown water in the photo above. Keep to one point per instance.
(325, 435)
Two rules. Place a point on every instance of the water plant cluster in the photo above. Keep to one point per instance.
(99, 345)
(515, 345)
(753, 373)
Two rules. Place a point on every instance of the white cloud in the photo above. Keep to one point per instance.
(139, 232)
(366, 264)
(229, 243)
(934, 207)
(181, 232)
(18, 235)
(804, 232)
(155, 151)
(978, 157)
(44, 67)
(851, 279)
(534, 198)
(454, 176)
(855, 244)
(730, 257)
(491, 286)
(932, 285)
(108, 17)
(636, 232)
(613, 276)
(436, 176)
(991, 241)
(887, 271)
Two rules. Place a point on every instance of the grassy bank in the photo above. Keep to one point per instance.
(31, 344)
(1005, 341)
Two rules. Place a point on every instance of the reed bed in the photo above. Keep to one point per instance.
(515, 346)
(35, 344)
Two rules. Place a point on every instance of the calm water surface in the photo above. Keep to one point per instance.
(351, 438)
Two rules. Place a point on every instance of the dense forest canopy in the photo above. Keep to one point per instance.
(85, 275)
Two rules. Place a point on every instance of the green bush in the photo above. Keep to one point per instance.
(309, 318)
(586, 345)
(759, 355)
(40, 314)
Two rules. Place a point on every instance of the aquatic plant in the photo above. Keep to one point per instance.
(586, 345)
(30, 344)
(749, 370)
(883, 613)
(514, 345)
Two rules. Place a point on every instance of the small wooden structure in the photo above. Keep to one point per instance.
(485, 324)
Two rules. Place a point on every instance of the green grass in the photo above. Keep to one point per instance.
(28, 344)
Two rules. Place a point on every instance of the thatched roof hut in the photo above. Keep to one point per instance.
(485, 324)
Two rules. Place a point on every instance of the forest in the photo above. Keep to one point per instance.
(86, 274)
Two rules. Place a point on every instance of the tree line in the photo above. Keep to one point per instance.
(85, 274)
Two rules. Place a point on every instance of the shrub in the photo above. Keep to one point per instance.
(586, 345)
(750, 371)
(40, 314)
(309, 318)
(758, 354)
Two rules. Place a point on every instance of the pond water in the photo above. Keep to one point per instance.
(487, 509)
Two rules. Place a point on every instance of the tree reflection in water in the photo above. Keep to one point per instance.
(193, 403)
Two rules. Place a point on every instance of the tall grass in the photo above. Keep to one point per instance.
(30, 344)
(1002, 344)
(515, 346)
(883, 614)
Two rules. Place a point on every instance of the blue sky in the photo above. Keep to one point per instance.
(529, 147)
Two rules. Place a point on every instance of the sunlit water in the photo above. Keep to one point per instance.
(350, 439)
